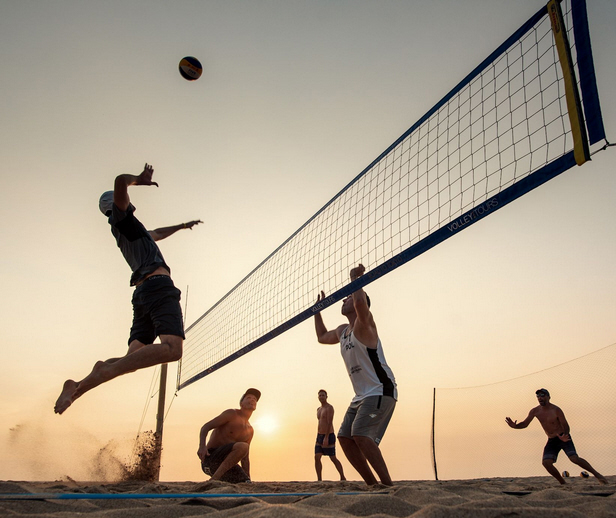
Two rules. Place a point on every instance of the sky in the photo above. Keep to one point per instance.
(296, 98)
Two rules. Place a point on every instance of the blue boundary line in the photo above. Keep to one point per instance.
(134, 496)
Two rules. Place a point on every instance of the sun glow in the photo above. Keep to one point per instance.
(266, 424)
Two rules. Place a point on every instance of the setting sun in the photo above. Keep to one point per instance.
(266, 424)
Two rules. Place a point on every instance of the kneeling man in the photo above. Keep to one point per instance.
(229, 442)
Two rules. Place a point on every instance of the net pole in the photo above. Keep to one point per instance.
(581, 149)
(433, 433)
(160, 413)
(160, 418)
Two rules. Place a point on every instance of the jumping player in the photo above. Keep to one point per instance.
(156, 301)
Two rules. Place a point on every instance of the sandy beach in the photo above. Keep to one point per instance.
(485, 498)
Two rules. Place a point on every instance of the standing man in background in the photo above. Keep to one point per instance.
(326, 438)
(156, 301)
(373, 381)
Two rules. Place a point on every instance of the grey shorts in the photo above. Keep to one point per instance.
(368, 417)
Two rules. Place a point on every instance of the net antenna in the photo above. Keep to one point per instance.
(517, 120)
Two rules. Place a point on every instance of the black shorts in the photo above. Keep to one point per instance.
(554, 445)
(156, 310)
(330, 451)
(215, 458)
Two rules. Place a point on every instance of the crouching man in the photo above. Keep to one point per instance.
(229, 443)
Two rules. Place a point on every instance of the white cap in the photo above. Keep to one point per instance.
(106, 202)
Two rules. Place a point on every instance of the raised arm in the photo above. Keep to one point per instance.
(523, 424)
(364, 327)
(163, 232)
(323, 335)
(124, 181)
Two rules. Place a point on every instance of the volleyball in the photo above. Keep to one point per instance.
(584, 474)
(565, 474)
(190, 68)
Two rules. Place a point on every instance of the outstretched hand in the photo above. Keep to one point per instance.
(321, 296)
(145, 178)
(191, 224)
(510, 422)
(357, 272)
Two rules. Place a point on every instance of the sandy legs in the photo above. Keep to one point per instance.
(548, 464)
(584, 464)
(338, 466)
(239, 451)
(139, 356)
(363, 450)
(319, 466)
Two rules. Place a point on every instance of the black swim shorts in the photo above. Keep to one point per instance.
(215, 458)
(156, 310)
(330, 451)
(555, 444)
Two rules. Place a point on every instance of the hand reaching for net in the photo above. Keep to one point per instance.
(357, 272)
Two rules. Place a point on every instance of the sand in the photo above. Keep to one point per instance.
(534, 497)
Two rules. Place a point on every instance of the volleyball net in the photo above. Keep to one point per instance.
(472, 440)
(517, 120)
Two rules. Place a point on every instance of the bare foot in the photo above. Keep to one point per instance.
(602, 479)
(67, 396)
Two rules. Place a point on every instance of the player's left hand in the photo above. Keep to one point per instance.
(358, 271)
(145, 178)
(191, 224)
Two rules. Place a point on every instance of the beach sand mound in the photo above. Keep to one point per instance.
(534, 497)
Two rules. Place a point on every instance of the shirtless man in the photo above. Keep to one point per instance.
(376, 392)
(326, 438)
(556, 427)
(156, 301)
(229, 442)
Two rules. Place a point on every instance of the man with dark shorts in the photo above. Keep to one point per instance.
(156, 301)
(229, 442)
(556, 427)
(326, 438)
(373, 381)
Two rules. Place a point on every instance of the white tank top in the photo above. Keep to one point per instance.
(367, 368)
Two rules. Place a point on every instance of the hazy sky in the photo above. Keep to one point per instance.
(296, 98)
